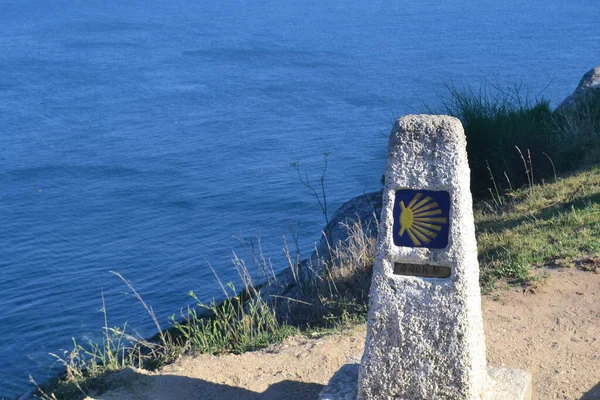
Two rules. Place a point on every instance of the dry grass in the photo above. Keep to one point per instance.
(330, 293)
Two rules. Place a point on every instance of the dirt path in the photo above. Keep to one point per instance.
(554, 333)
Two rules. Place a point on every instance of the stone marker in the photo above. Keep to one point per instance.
(425, 335)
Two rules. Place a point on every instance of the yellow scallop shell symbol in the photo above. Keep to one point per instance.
(421, 219)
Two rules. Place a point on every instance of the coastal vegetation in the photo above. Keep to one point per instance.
(546, 225)
(514, 139)
(533, 210)
(538, 206)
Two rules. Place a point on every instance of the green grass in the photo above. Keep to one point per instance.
(236, 325)
(515, 144)
(334, 290)
(548, 225)
(86, 366)
(516, 140)
(330, 296)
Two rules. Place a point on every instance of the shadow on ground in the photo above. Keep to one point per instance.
(135, 386)
(593, 393)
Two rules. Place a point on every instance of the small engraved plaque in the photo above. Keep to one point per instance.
(425, 271)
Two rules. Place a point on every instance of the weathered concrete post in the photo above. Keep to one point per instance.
(425, 336)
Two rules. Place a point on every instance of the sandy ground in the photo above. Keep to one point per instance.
(552, 331)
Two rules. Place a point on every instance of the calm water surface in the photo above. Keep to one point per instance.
(143, 137)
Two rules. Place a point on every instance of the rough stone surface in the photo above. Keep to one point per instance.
(425, 336)
(505, 384)
(508, 384)
(589, 85)
(365, 208)
(343, 384)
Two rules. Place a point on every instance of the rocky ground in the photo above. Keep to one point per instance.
(552, 330)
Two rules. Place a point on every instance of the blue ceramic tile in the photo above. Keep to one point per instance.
(421, 218)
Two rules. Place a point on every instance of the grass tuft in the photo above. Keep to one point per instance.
(326, 298)
(333, 290)
(236, 325)
(509, 133)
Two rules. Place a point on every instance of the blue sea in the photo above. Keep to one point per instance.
(149, 137)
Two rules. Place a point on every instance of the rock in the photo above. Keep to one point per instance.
(588, 86)
(364, 208)
(506, 384)
(283, 292)
(343, 385)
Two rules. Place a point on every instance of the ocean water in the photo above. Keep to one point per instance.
(147, 137)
